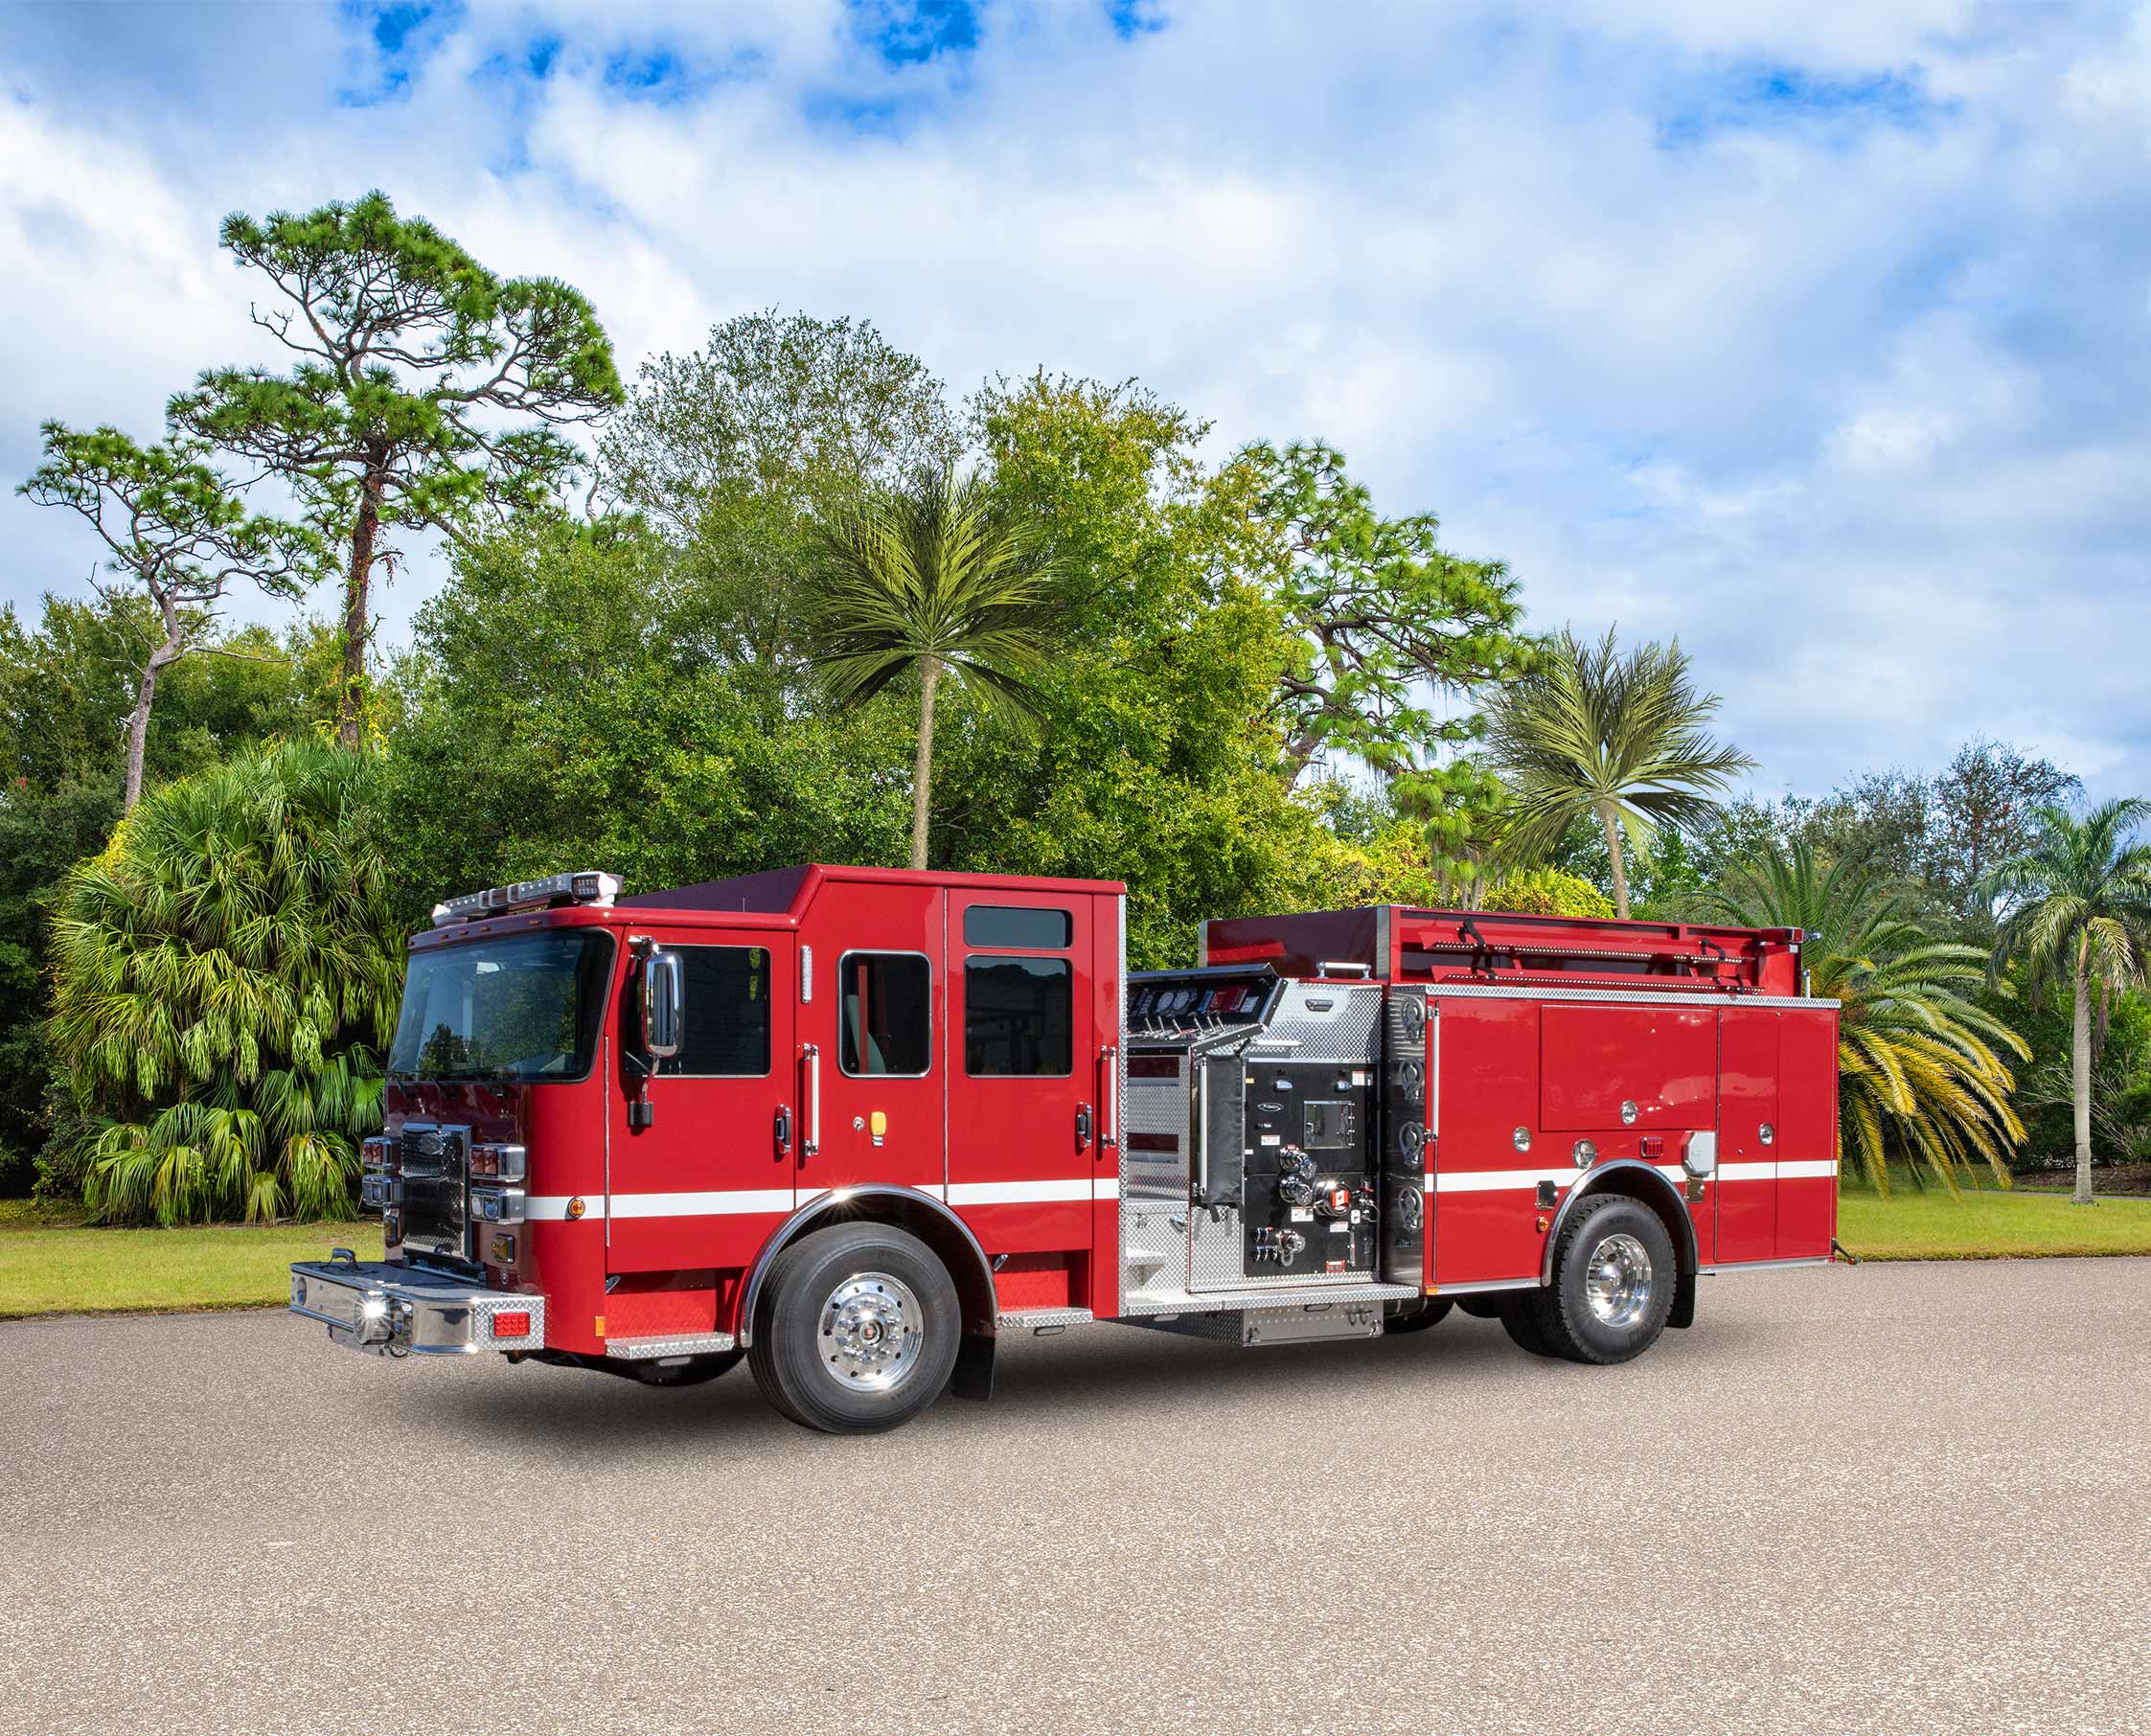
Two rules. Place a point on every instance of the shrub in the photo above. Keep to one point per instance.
(1546, 892)
(225, 974)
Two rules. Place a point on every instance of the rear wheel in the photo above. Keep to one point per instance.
(1613, 1277)
(856, 1330)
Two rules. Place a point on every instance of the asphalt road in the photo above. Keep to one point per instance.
(1899, 1498)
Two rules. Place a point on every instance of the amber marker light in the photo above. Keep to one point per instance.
(576, 1208)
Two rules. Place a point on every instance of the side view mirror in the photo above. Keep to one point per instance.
(664, 1003)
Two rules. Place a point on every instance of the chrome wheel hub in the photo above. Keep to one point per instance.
(1617, 1281)
(871, 1330)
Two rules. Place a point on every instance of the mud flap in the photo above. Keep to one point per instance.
(1683, 1301)
(974, 1374)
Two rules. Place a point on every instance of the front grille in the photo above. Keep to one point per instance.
(435, 1164)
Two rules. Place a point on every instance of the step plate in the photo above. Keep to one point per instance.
(1221, 1301)
(1031, 1318)
(685, 1344)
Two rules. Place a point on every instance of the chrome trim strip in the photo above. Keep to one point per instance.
(1644, 997)
(1482, 1287)
(1751, 1266)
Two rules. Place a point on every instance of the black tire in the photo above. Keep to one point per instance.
(1519, 1320)
(856, 1329)
(696, 1371)
(1419, 1317)
(1564, 1313)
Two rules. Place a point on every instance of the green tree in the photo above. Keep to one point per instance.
(1393, 639)
(560, 711)
(1620, 737)
(172, 526)
(1917, 1062)
(224, 976)
(933, 580)
(427, 389)
(2077, 910)
(737, 450)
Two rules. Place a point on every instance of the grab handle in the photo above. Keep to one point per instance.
(1108, 1095)
(809, 1142)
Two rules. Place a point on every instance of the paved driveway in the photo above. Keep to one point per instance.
(1903, 1499)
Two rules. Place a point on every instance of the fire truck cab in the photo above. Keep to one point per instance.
(852, 1124)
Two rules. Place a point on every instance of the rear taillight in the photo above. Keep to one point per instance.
(512, 1323)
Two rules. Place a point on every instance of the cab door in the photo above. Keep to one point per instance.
(872, 1053)
(1025, 1072)
(700, 1183)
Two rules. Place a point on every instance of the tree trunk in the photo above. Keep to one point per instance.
(921, 768)
(2081, 1054)
(351, 698)
(138, 720)
(1608, 816)
(174, 648)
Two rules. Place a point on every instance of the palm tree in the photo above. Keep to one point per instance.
(1916, 1055)
(222, 976)
(2079, 910)
(933, 578)
(1622, 739)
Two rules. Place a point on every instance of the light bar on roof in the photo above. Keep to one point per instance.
(582, 886)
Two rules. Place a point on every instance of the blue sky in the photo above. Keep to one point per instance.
(1813, 333)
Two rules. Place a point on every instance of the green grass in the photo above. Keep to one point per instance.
(51, 1262)
(1986, 1223)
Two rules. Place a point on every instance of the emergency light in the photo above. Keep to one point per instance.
(580, 887)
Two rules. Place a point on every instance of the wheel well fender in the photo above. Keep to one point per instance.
(1647, 1186)
(926, 1218)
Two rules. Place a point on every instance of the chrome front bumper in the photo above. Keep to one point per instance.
(398, 1310)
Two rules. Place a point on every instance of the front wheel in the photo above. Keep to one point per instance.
(857, 1331)
(1613, 1277)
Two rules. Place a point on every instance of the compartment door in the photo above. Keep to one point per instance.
(1748, 1130)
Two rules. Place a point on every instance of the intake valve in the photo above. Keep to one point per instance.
(1278, 1245)
(1295, 1178)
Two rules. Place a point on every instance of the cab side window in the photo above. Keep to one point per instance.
(884, 1015)
(726, 1035)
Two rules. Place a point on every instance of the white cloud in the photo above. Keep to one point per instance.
(1812, 332)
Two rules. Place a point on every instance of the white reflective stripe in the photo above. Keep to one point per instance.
(1483, 1181)
(1747, 1171)
(1806, 1169)
(1019, 1192)
(1106, 1187)
(728, 1202)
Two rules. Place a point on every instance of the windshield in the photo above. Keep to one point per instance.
(523, 1007)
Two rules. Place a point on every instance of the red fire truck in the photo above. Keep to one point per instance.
(851, 1123)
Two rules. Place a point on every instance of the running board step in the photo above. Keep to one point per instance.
(1043, 1319)
(676, 1344)
(1148, 1303)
